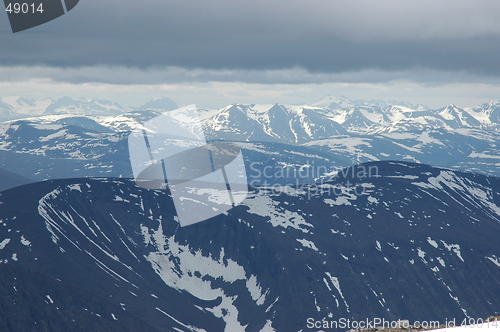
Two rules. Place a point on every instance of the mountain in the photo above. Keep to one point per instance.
(358, 131)
(5, 110)
(388, 104)
(275, 123)
(74, 147)
(84, 123)
(42, 150)
(487, 113)
(389, 240)
(464, 149)
(127, 121)
(378, 116)
(82, 106)
(160, 104)
(15, 107)
(11, 180)
(378, 113)
(456, 117)
(25, 102)
(22, 107)
(333, 102)
(87, 249)
(337, 116)
(61, 146)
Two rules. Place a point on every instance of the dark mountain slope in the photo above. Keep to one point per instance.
(10, 180)
(400, 241)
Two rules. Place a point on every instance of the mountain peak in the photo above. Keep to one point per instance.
(331, 101)
(160, 103)
(83, 106)
(25, 102)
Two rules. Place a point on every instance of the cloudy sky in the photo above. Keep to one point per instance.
(216, 52)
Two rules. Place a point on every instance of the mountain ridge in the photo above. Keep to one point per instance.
(18, 107)
(411, 241)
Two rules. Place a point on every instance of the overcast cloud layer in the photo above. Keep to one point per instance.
(317, 36)
(216, 52)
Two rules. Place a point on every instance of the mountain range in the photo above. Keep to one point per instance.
(335, 132)
(16, 107)
(355, 210)
(408, 242)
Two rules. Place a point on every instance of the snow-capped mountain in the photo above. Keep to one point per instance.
(5, 110)
(278, 123)
(82, 106)
(291, 124)
(378, 116)
(74, 147)
(487, 113)
(61, 146)
(127, 121)
(15, 107)
(312, 240)
(407, 241)
(285, 123)
(334, 102)
(159, 104)
(43, 150)
(471, 150)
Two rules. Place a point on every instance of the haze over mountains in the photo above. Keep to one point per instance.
(89, 137)
(362, 117)
(15, 107)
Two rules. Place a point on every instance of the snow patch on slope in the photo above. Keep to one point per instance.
(185, 269)
(265, 206)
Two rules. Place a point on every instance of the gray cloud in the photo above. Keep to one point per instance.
(178, 75)
(224, 38)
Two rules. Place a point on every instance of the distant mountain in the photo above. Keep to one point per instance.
(20, 107)
(351, 132)
(404, 241)
(84, 123)
(456, 117)
(333, 102)
(380, 116)
(127, 121)
(337, 116)
(60, 146)
(159, 104)
(354, 116)
(11, 180)
(387, 104)
(487, 113)
(25, 102)
(82, 106)
(5, 111)
(15, 107)
(465, 149)
(77, 147)
(43, 150)
(276, 123)
(312, 240)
